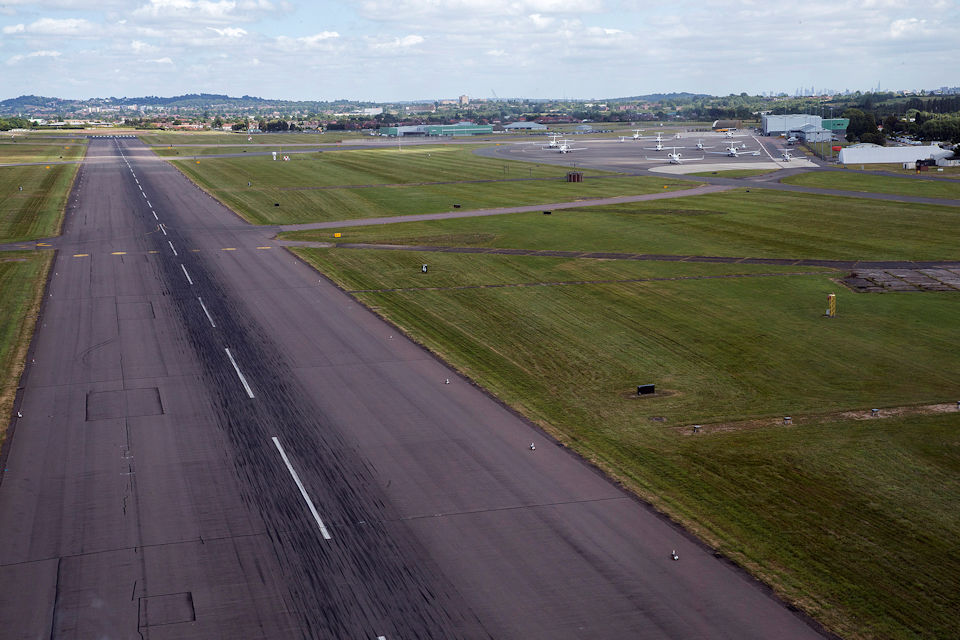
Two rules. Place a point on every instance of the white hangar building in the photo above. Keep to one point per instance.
(873, 153)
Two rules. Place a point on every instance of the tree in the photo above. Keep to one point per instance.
(238, 126)
(217, 122)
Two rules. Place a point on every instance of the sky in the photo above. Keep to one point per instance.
(393, 50)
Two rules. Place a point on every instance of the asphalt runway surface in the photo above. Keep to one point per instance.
(217, 443)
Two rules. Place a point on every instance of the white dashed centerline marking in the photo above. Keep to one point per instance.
(162, 229)
(171, 247)
(143, 194)
(303, 492)
(149, 205)
(154, 215)
(209, 317)
(186, 274)
(246, 386)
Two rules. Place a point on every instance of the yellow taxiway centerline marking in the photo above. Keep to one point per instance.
(81, 255)
(195, 250)
(264, 247)
(229, 249)
(153, 252)
(43, 244)
(118, 253)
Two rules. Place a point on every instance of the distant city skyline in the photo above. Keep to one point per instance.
(409, 50)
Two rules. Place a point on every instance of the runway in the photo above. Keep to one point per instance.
(218, 443)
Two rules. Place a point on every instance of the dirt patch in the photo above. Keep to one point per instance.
(783, 421)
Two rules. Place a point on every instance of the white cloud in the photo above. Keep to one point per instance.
(187, 10)
(43, 53)
(318, 41)
(907, 27)
(229, 32)
(164, 60)
(53, 27)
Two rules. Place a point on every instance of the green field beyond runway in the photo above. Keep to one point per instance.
(758, 223)
(341, 185)
(850, 181)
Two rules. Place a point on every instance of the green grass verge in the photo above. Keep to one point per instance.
(161, 138)
(760, 223)
(300, 185)
(22, 277)
(35, 151)
(734, 173)
(851, 520)
(877, 184)
(37, 211)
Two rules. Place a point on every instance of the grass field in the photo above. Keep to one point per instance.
(897, 168)
(850, 520)
(735, 173)
(155, 138)
(735, 223)
(41, 151)
(22, 276)
(310, 187)
(37, 211)
(907, 186)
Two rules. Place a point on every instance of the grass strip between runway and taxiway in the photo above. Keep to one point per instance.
(739, 223)
(22, 278)
(905, 186)
(339, 185)
(851, 520)
(36, 211)
(27, 150)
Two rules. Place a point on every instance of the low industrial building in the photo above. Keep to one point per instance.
(875, 154)
(459, 129)
(524, 126)
(726, 125)
(812, 133)
(784, 124)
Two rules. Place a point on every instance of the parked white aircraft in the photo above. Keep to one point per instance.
(674, 158)
(554, 141)
(735, 152)
(785, 155)
(564, 147)
(637, 132)
(659, 146)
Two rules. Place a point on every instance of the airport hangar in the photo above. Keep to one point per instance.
(459, 129)
(806, 127)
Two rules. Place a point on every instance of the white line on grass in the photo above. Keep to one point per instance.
(239, 374)
(303, 492)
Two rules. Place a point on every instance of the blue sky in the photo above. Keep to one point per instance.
(382, 50)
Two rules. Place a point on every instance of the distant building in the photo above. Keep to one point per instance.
(837, 125)
(873, 154)
(464, 100)
(459, 129)
(525, 126)
(782, 124)
(720, 125)
(813, 133)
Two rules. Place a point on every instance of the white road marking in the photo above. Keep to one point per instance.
(171, 247)
(140, 186)
(143, 194)
(149, 205)
(154, 215)
(239, 374)
(186, 274)
(303, 492)
(206, 312)
(162, 229)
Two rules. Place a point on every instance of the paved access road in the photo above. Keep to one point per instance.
(216, 445)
